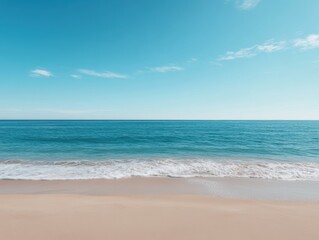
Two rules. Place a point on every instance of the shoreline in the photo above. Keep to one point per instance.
(145, 168)
(228, 188)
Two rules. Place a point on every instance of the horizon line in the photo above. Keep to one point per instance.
(44, 119)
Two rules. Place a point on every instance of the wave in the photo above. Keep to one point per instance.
(116, 169)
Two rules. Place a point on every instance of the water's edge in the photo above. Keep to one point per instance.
(228, 188)
(117, 169)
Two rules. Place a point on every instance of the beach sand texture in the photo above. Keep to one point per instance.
(65, 216)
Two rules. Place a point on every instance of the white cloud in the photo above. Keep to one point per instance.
(76, 76)
(102, 74)
(164, 69)
(271, 47)
(242, 53)
(247, 4)
(267, 47)
(311, 41)
(41, 73)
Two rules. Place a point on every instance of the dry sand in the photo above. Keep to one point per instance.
(65, 216)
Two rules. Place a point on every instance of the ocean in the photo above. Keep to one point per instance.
(51, 150)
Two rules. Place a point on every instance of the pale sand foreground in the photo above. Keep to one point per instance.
(67, 216)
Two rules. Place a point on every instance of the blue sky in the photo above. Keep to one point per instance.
(159, 59)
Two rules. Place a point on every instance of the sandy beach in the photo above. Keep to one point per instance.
(52, 210)
(159, 120)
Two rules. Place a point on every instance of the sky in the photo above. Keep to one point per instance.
(159, 59)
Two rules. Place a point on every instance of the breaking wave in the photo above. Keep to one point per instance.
(116, 169)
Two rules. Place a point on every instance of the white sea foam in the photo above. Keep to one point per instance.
(116, 169)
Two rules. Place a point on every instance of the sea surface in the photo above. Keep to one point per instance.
(50, 150)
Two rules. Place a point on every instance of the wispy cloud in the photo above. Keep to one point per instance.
(311, 41)
(76, 76)
(163, 69)
(247, 4)
(267, 47)
(242, 53)
(271, 46)
(41, 73)
(106, 74)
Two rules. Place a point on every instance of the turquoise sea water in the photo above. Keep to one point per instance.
(116, 149)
